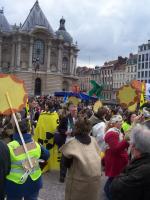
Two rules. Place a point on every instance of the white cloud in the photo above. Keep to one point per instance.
(104, 29)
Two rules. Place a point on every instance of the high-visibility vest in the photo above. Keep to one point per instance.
(126, 127)
(17, 159)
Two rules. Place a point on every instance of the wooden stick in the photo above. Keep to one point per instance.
(19, 131)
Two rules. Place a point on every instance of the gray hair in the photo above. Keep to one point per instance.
(140, 138)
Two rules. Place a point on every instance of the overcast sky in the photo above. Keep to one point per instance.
(104, 29)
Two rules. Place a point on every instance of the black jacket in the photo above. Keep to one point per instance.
(60, 137)
(134, 182)
(4, 166)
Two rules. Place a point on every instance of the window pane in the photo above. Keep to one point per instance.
(38, 52)
(139, 57)
(142, 57)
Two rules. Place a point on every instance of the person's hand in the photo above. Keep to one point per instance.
(127, 135)
(68, 132)
(137, 119)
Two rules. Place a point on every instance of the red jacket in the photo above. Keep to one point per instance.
(116, 156)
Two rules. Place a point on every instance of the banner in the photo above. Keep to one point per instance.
(44, 134)
(147, 92)
(142, 99)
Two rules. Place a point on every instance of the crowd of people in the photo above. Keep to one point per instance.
(110, 141)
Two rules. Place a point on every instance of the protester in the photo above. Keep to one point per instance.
(4, 167)
(98, 130)
(32, 104)
(65, 130)
(134, 182)
(23, 181)
(116, 156)
(129, 121)
(84, 164)
(98, 116)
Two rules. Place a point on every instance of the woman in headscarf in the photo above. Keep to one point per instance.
(82, 158)
(116, 156)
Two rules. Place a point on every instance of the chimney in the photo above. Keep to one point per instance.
(130, 55)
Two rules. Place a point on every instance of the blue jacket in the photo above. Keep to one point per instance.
(16, 190)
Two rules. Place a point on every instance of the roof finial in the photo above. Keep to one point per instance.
(62, 24)
(2, 10)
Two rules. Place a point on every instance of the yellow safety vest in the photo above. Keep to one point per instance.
(18, 159)
(126, 127)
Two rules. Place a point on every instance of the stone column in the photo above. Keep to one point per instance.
(75, 65)
(49, 56)
(30, 54)
(18, 52)
(13, 55)
(60, 58)
(0, 53)
(70, 62)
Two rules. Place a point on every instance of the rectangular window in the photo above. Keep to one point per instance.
(142, 74)
(142, 57)
(146, 56)
(135, 68)
(138, 74)
(146, 74)
(139, 58)
(142, 65)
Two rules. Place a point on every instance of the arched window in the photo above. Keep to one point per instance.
(38, 52)
(65, 65)
(37, 88)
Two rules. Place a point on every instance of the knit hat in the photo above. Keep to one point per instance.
(146, 112)
(115, 119)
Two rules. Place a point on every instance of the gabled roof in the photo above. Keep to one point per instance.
(36, 18)
(4, 25)
(84, 70)
(110, 63)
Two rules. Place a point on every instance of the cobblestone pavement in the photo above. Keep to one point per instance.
(54, 190)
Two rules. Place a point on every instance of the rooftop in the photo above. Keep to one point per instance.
(4, 25)
(36, 18)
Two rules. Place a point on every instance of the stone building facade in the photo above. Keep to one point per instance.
(84, 75)
(143, 63)
(44, 59)
(131, 68)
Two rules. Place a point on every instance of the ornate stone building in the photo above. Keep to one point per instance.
(44, 59)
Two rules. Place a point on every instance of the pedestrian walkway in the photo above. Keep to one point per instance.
(54, 190)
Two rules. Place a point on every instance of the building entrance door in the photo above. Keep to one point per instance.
(37, 88)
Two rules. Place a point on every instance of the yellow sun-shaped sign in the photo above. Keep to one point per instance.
(15, 89)
(98, 104)
(127, 96)
(74, 100)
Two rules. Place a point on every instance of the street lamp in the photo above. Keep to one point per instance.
(36, 63)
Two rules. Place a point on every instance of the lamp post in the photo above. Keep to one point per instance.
(36, 63)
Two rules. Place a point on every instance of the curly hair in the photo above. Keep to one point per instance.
(82, 126)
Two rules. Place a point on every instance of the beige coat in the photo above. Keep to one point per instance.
(83, 179)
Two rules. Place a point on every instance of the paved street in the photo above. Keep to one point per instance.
(53, 190)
